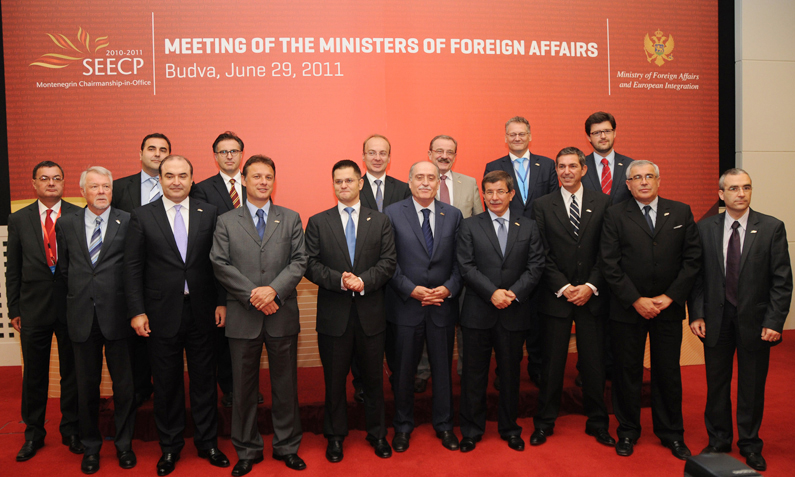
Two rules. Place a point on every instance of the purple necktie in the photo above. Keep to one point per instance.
(181, 236)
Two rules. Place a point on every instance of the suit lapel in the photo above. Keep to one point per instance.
(750, 235)
(717, 237)
(619, 174)
(532, 175)
(585, 209)
(247, 222)
(634, 213)
(488, 229)
(439, 225)
(513, 233)
(457, 190)
(220, 187)
(367, 196)
(663, 212)
(274, 221)
(591, 178)
(195, 215)
(412, 217)
(80, 229)
(134, 192)
(110, 233)
(335, 224)
(559, 208)
(35, 223)
(159, 212)
(362, 229)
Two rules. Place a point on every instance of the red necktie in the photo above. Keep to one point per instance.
(233, 194)
(444, 192)
(607, 177)
(49, 240)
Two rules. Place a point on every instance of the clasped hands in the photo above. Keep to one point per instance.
(651, 307)
(263, 299)
(428, 296)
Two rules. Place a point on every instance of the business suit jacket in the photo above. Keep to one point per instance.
(394, 190)
(374, 262)
(97, 289)
(466, 195)
(42, 299)
(484, 270)
(637, 263)
(541, 181)
(571, 258)
(619, 192)
(765, 286)
(127, 192)
(243, 262)
(416, 267)
(154, 273)
(213, 191)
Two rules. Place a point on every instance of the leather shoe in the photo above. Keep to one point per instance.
(215, 456)
(449, 440)
(602, 436)
(74, 444)
(90, 463)
(514, 442)
(625, 446)
(260, 398)
(381, 447)
(244, 466)
(127, 459)
(401, 441)
(468, 443)
(29, 449)
(334, 451)
(497, 383)
(167, 462)
(358, 395)
(716, 450)
(539, 436)
(535, 378)
(292, 461)
(755, 461)
(678, 449)
(578, 380)
(420, 385)
(226, 400)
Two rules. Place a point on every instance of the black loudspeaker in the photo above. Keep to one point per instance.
(717, 465)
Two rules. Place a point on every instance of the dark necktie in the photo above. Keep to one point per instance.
(350, 233)
(607, 177)
(96, 242)
(444, 192)
(379, 196)
(646, 210)
(574, 215)
(261, 223)
(426, 230)
(733, 264)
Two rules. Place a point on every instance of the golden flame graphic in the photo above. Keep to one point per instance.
(75, 53)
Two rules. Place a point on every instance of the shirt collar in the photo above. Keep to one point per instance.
(43, 208)
(567, 195)
(506, 215)
(226, 177)
(169, 204)
(611, 158)
(526, 155)
(91, 217)
(419, 208)
(341, 208)
(728, 221)
(653, 204)
(252, 209)
(145, 177)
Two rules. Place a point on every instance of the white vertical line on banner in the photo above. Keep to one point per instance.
(608, 55)
(154, 80)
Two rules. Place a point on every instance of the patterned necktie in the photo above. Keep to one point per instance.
(426, 230)
(350, 233)
(521, 177)
(261, 223)
(607, 177)
(96, 242)
(733, 265)
(502, 234)
(444, 192)
(379, 196)
(155, 193)
(49, 241)
(646, 210)
(574, 215)
(181, 236)
(233, 194)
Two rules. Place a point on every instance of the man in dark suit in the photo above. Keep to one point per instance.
(351, 257)
(129, 193)
(174, 301)
(91, 257)
(570, 223)
(606, 167)
(651, 254)
(533, 177)
(258, 256)
(225, 191)
(422, 304)
(740, 302)
(36, 294)
(501, 258)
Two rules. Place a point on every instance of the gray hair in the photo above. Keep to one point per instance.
(98, 170)
(735, 171)
(635, 164)
(411, 171)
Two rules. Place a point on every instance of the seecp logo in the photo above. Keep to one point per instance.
(89, 52)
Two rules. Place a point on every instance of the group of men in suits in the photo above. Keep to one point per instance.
(211, 270)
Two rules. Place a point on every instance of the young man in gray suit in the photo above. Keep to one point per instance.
(258, 256)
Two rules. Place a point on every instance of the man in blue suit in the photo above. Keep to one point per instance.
(421, 301)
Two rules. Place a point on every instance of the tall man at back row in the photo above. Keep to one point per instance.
(606, 167)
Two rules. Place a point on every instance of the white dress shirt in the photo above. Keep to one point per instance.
(421, 216)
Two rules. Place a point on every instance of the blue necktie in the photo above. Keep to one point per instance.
(521, 176)
(181, 236)
(502, 235)
(379, 196)
(426, 230)
(646, 209)
(96, 242)
(261, 223)
(350, 233)
(154, 193)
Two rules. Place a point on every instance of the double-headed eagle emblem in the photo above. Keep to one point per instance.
(658, 49)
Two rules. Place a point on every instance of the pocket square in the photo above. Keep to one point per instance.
(678, 226)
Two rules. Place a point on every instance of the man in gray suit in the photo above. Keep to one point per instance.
(740, 302)
(258, 256)
(91, 249)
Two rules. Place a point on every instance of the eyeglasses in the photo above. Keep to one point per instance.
(381, 154)
(638, 177)
(442, 152)
(498, 192)
(233, 152)
(519, 135)
(746, 188)
(348, 182)
(605, 132)
(55, 179)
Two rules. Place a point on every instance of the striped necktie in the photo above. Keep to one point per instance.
(96, 242)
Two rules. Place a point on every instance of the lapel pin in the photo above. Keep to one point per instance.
(118, 222)
(753, 231)
(620, 164)
(368, 219)
(588, 210)
(516, 224)
(537, 164)
(666, 214)
(276, 221)
(441, 213)
(200, 210)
